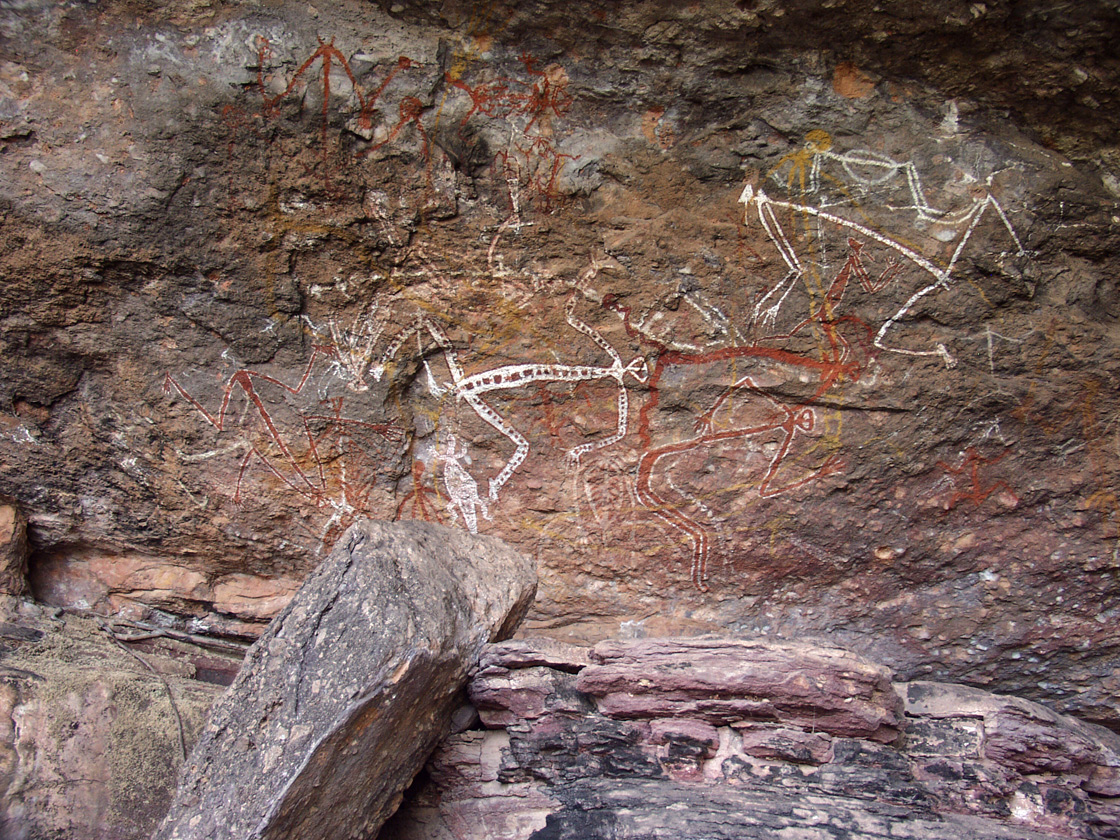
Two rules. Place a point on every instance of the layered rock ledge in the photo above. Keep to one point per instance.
(722, 738)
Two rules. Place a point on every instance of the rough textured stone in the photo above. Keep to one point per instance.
(134, 586)
(724, 681)
(530, 652)
(13, 550)
(527, 678)
(1026, 736)
(786, 744)
(93, 730)
(340, 702)
(804, 315)
(967, 767)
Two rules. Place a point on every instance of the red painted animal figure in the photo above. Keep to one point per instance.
(845, 353)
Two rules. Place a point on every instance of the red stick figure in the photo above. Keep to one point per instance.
(329, 56)
(289, 467)
(491, 98)
(422, 507)
(410, 110)
(969, 469)
(548, 93)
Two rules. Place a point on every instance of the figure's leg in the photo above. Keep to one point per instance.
(244, 379)
(308, 492)
(768, 315)
(800, 420)
(672, 515)
(495, 420)
(575, 454)
(618, 372)
(855, 264)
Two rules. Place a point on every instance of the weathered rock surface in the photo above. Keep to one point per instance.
(550, 765)
(1024, 736)
(767, 316)
(13, 550)
(726, 681)
(94, 723)
(340, 702)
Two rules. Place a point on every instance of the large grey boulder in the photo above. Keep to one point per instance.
(342, 699)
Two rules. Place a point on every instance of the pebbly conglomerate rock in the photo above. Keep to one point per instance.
(946, 762)
(338, 705)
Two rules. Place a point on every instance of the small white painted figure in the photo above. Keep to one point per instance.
(461, 487)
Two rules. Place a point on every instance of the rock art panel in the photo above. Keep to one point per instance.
(725, 330)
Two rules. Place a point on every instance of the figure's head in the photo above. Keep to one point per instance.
(817, 141)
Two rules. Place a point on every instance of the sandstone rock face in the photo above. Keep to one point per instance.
(962, 762)
(93, 730)
(723, 682)
(756, 317)
(340, 702)
(13, 550)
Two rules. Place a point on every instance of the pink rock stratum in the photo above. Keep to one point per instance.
(961, 763)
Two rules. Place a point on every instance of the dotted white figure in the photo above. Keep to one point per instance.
(472, 388)
(461, 487)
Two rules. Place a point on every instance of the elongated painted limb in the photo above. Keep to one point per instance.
(943, 278)
(589, 331)
(791, 421)
(774, 232)
(636, 369)
(308, 491)
(341, 425)
(854, 264)
(681, 522)
(577, 453)
(244, 380)
(694, 531)
(488, 414)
